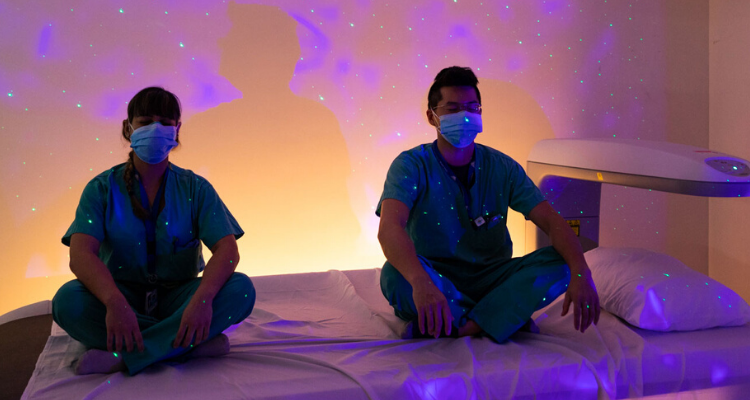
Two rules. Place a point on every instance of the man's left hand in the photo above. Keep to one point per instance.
(582, 295)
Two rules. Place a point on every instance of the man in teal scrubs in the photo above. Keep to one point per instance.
(443, 215)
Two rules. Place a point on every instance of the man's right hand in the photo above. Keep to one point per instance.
(432, 307)
(122, 326)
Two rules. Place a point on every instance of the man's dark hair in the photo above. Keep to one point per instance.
(451, 76)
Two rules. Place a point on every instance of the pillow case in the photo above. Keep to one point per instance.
(655, 291)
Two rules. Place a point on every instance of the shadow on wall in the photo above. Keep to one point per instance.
(278, 161)
(513, 122)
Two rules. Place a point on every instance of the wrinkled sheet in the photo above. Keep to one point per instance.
(333, 335)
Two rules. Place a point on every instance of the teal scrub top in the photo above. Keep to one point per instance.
(193, 212)
(442, 210)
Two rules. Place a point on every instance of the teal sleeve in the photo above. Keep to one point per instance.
(401, 183)
(213, 218)
(89, 217)
(524, 195)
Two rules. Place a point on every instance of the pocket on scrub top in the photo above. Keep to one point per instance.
(185, 262)
(490, 238)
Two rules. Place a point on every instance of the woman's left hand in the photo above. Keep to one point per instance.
(196, 321)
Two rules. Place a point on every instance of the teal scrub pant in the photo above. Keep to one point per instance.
(499, 298)
(82, 316)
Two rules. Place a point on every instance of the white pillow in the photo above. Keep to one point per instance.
(655, 291)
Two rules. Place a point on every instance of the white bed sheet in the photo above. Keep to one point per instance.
(332, 335)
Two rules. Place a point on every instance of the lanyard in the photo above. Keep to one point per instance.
(472, 174)
(150, 222)
(479, 220)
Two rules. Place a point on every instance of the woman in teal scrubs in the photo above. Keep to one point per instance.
(135, 247)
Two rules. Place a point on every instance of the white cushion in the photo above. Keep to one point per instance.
(655, 291)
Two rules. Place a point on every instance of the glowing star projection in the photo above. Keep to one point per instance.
(297, 131)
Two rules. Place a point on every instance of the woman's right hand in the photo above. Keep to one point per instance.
(122, 326)
(432, 308)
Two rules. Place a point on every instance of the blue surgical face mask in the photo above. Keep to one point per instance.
(152, 143)
(461, 128)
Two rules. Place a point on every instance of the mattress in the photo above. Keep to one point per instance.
(333, 335)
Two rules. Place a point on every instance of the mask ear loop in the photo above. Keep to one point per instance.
(130, 133)
(437, 118)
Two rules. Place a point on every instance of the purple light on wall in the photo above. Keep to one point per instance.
(110, 104)
(360, 55)
(343, 66)
(551, 6)
(205, 90)
(329, 14)
(459, 31)
(208, 93)
(515, 63)
(315, 44)
(505, 13)
(372, 77)
(609, 120)
(44, 38)
(108, 64)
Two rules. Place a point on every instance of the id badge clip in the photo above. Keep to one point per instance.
(478, 221)
(489, 221)
(151, 301)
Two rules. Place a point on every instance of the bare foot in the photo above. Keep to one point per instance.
(470, 329)
(218, 346)
(408, 332)
(530, 326)
(95, 361)
(411, 331)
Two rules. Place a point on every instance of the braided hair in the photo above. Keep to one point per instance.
(149, 101)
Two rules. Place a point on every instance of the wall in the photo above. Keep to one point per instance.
(294, 110)
(729, 40)
(669, 223)
(687, 123)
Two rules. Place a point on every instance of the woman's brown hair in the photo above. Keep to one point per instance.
(149, 101)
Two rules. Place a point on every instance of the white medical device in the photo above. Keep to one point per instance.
(569, 172)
